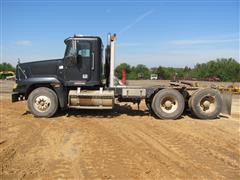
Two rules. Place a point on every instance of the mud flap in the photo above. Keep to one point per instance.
(227, 103)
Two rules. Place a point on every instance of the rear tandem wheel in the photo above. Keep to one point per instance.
(205, 103)
(168, 104)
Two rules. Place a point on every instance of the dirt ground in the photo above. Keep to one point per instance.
(124, 143)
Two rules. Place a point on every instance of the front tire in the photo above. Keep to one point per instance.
(168, 104)
(42, 102)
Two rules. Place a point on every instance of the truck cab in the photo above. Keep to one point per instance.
(83, 61)
(75, 81)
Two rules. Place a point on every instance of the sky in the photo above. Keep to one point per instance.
(168, 33)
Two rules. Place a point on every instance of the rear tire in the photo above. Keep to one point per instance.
(206, 103)
(43, 102)
(168, 104)
(190, 101)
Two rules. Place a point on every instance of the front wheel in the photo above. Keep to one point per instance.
(42, 102)
(168, 104)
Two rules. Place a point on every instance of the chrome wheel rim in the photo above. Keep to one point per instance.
(42, 103)
(169, 104)
(208, 104)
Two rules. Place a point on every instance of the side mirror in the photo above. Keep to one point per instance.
(70, 60)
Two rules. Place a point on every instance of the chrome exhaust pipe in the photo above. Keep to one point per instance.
(111, 41)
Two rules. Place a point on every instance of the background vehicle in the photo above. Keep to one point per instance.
(77, 81)
(7, 75)
(154, 77)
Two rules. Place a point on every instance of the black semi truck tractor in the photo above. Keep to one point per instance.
(79, 81)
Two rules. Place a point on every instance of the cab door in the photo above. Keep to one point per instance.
(79, 63)
(85, 59)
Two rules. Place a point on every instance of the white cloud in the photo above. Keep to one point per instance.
(24, 43)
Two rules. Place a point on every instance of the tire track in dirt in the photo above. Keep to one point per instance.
(23, 136)
(107, 156)
(116, 146)
(102, 156)
(57, 149)
(33, 146)
(215, 135)
(146, 148)
(155, 151)
(174, 144)
(199, 147)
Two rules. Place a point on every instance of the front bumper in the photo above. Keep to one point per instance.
(17, 97)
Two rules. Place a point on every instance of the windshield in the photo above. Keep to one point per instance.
(69, 49)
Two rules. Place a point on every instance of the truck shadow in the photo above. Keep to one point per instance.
(118, 110)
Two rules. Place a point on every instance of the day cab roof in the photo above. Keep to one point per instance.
(82, 37)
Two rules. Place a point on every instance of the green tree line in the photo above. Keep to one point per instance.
(222, 69)
(6, 67)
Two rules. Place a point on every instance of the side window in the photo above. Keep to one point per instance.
(84, 49)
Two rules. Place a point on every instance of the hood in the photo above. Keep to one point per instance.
(37, 68)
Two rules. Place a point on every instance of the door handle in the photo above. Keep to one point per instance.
(93, 61)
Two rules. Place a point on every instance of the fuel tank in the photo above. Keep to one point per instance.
(91, 99)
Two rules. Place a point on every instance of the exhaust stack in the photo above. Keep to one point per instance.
(112, 40)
